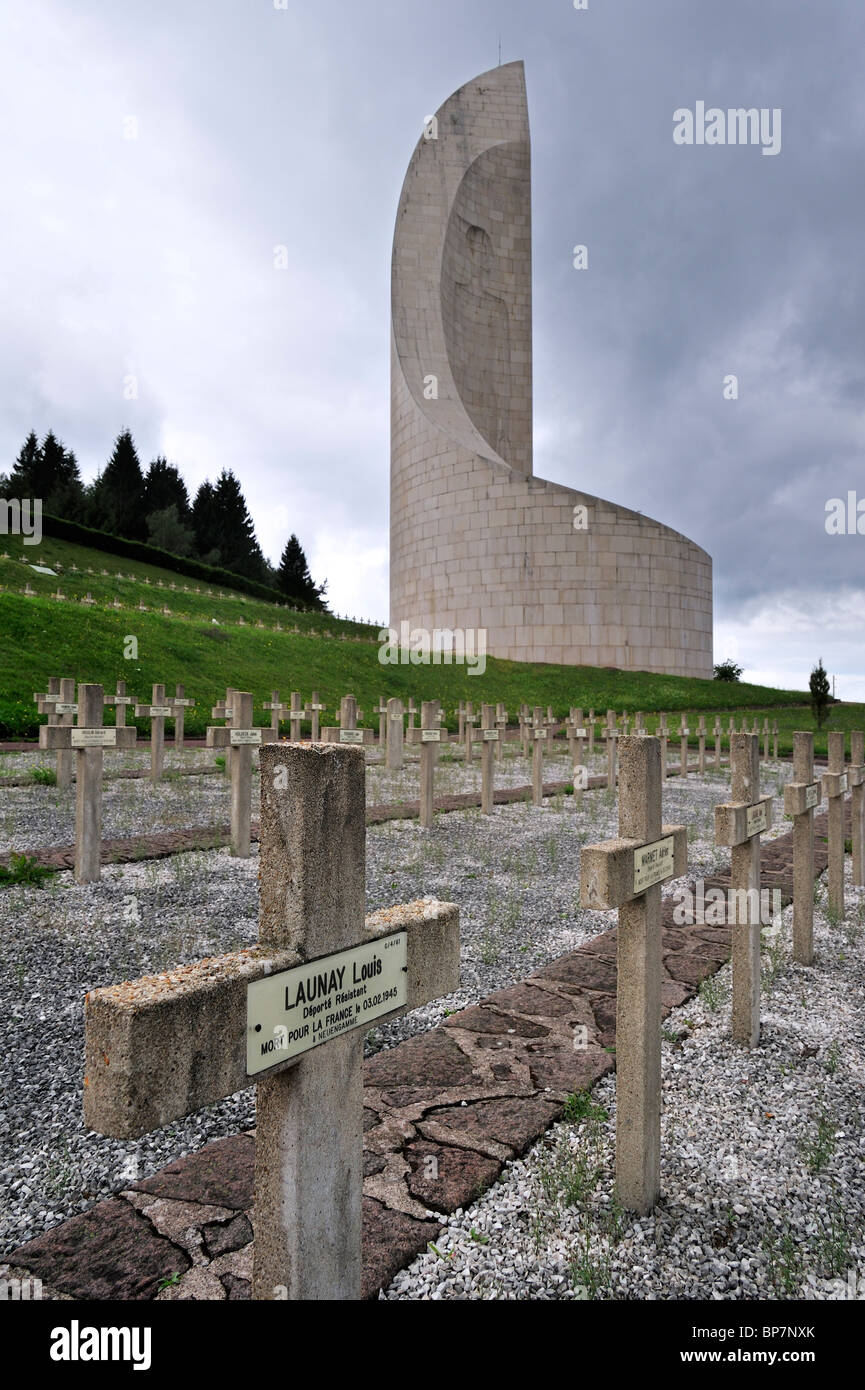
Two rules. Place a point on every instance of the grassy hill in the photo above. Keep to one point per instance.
(215, 637)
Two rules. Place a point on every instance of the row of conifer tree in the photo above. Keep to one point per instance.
(153, 505)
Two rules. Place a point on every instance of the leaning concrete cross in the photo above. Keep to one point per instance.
(801, 797)
(856, 774)
(539, 734)
(277, 710)
(240, 739)
(835, 789)
(179, 705)
(288, 1015)
(87, 739)
(738, 826)
(490, 736)
(157, 712)
(627, 874)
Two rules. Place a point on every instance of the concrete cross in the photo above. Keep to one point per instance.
(491, 737)
(157, 712)
(348, 732)
(717, 743)
(289, 1016)
(591, 727)
(87, 739)
(738, 826)
(856, 775)
(701, 743)
(412, 711)
(296, 716)
(461, 721)
(663, 735)
(431, 736)
(277, 710)
(58, 702)
(765, 740)
(180, 705)
(775, 739)
(835, 783)
(315, 710)
(539, 735)
(627, 874)
(395, 730)
(121, 702)
(470, 719)
(577, 732)
(684, 733)
(240, 738)
(611, 734)
(801, 797)
(574, 722)
(502, 726)
(382, 723)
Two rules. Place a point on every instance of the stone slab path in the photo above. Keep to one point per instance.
(443, 1111)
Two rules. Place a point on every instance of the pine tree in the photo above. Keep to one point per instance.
(294, 579)
(48, 472)
(118, 493)
(819, 685)
(164, 488)
(233, 529)
(204, 525)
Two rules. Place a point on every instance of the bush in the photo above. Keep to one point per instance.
(728, 671)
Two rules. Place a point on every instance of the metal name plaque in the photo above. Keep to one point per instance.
(94, 738)
(186, 704)
(653, 863)
(241, 737)
(580, 733)
(298, 1009)
(160, 712)
(351, 735)
(540, 733)
(120, 700)
(430, 735)
(491, 735)
(842, 782)
(63, 708)
(812, 796)
(755, 821)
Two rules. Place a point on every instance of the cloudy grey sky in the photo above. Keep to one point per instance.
(257, 127)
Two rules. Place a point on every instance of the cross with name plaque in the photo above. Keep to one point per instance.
(801, 797)
(627, 874)
(240, 737)
(157, 712)
(277, 709)
(289, 1016)
(87, 739)
(835, 787)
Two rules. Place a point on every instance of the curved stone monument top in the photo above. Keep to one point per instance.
(477, 542)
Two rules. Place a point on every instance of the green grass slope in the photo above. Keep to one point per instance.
(212, 638)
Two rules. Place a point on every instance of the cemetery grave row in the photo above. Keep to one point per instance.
(314, 949)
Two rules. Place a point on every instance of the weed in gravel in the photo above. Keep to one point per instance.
(24, 869)
(833, 1057)
(784, 1259)
(590, 1268)
(45, 776)
(580, 1106)
(819, 1144)
(833, 1245)
(713, 993)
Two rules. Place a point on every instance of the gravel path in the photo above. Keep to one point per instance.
(515, 880)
